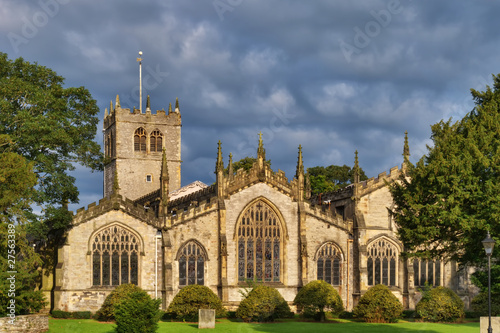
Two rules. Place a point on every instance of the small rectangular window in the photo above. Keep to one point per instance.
(149, 178)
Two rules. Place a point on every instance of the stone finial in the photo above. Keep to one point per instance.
(300, 164)
(356, 167)
(261, 152)
(148, 105)
(111, 107)
(164, 181)
(230, 166)
(164, 165)
(169, 108)
(177, 105)
(406, 154)
(105, 112)
(220, 164)
(117, 101)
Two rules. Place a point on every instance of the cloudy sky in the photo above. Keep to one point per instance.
(332, 76)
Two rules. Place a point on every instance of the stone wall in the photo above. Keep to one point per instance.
(37, 323)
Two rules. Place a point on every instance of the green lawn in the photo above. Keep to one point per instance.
(223, 325)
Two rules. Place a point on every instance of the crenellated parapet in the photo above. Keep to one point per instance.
(115, 202)
(204, 195)
(380, 181)
(328, 216)
(191, 210)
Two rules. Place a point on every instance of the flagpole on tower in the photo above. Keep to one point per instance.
(140, 80)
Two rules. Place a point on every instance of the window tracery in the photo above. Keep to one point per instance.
(329, 264)
(382, 263)
(115, 257)
(156, 141)
(260, 244)
(192, 264)
(140, 139)
(426, 271)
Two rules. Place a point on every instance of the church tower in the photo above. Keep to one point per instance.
(133, 147)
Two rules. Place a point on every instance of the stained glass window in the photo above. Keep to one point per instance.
(328, 264)
(259, 244)
(382, 262)
(114, 257)
(191, 264)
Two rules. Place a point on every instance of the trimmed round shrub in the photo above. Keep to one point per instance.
(106, 312)
(262, 304)
(378, 305)
(440, 304)
(190, 299)
(137, 313)
(316, 297)
(479, 304)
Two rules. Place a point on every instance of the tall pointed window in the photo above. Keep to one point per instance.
(382, 263)
(140, 139)
(155, 141)
(260, 244)
(329, 264)
(115, 257)
(192, 264)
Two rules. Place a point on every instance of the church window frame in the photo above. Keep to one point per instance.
(329, 263)
(427, 271)
(115, 253)
(382, 262)
(192, 259)
(156, 141)
(140, 136)
(260, 237)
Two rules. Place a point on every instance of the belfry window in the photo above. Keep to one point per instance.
(140, 139)
(329, 264)
(155, 141)
(382, 263)
(115, 257)
(192, 264)
(426, 271)
(260, 244)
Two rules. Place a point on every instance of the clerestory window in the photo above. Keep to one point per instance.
(260, 244)
(382, 264)
(115, 257)
(140, 139)
(329, 264)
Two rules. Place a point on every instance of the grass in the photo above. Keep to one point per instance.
(229, 326)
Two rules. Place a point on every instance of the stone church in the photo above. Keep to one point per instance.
(254, 225)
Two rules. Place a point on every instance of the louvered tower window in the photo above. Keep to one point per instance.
(140, 139)
(155, 141)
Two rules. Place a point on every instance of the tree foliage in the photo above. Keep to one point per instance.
(452, 196)
(263, 303)
(378, 305)
(138, 312)
(440, 304)
(107, 310)
(316, 297)
(332, 178)
(53, 128)
(245, 163)
(190, 299)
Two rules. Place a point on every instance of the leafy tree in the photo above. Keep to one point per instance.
(263, 303)
(440, 304)
(378, 305)
(316, 297)
(453, 196)
(332, 178)
(17, 181)
(138, 312)
(54, 128)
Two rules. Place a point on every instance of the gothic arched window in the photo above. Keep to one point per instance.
(260, 244)
(329, 264)
(426, 271)
(155, 141)
(191, 264)
(115, 257)
(140, 139)
(382, 263)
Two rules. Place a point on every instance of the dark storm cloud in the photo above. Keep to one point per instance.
(332, 76)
